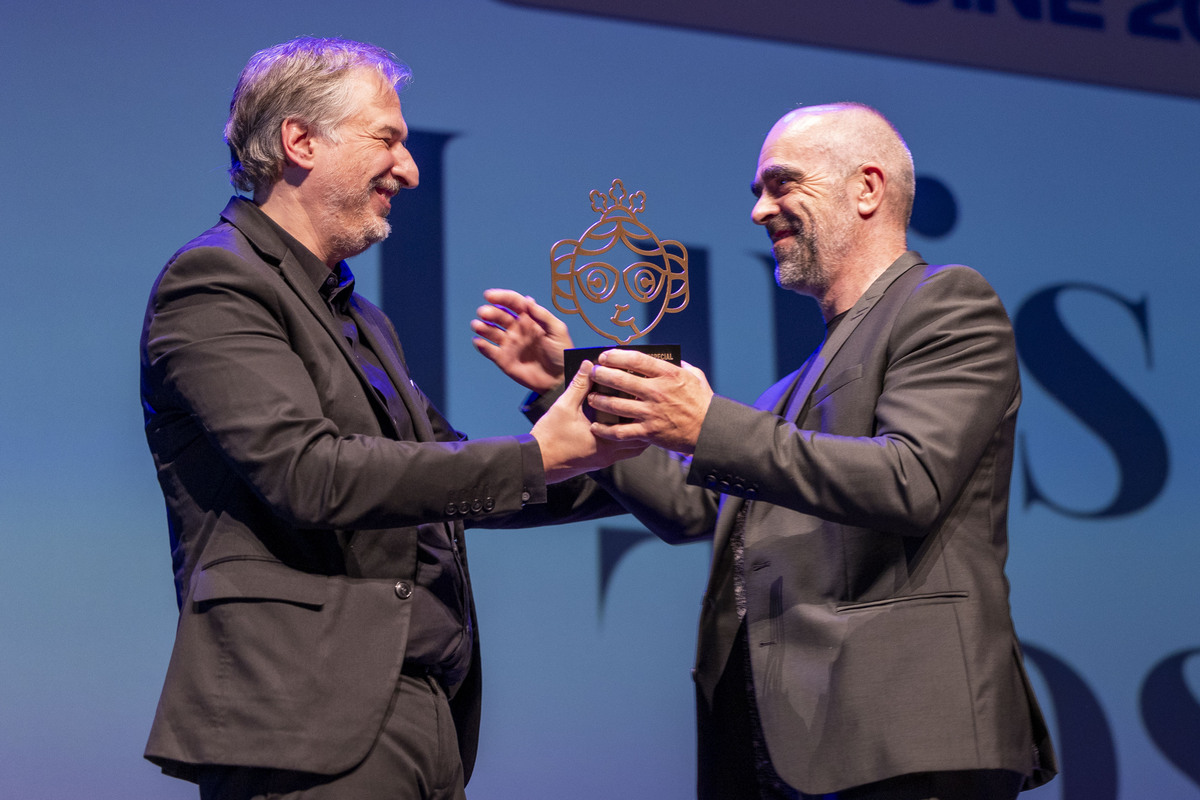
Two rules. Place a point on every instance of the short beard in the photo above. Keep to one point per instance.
(357, 227)
(799, 266)
(347, 243)
(808, 263)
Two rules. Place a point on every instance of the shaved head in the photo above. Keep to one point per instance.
(834, 188)
(850, 135)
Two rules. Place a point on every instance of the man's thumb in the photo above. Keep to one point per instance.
(578, 388)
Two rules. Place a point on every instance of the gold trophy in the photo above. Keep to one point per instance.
(616, 270)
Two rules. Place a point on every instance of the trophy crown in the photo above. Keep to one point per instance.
(617, 200)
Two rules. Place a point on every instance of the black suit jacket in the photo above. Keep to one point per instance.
(875, 541)
(294, 510)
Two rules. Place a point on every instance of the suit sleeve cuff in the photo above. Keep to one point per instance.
(715, 460)
(533, 477)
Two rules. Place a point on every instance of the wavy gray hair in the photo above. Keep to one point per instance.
(305, 79)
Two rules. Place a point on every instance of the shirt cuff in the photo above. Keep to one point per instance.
(536, 405)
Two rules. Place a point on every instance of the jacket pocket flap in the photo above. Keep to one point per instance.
(927, 599)
(258, 580)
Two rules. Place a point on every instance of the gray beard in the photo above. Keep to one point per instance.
(351, 241)
(799, 266)
(355, 226)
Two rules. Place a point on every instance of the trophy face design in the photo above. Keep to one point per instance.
(617, 266)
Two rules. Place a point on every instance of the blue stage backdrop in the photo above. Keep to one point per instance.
(1056, 154)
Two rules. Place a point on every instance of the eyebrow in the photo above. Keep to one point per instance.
(773, 173)
(392, 132)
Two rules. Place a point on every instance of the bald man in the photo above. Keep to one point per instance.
(855, 638)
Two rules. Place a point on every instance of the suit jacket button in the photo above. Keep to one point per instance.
(451, 509)
(489, 504)
(403, 589)
(464, 507)
(477, 506)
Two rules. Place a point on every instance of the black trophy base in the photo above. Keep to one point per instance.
(572, 358)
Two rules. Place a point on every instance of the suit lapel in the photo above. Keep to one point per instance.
(274, 250)
(790, 404)
(300, 283)
(813, 372)
(369, 320)
(718, 620)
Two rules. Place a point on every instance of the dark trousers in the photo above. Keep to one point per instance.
(415, 758)
(732, 762)
(969, 784)
(731, 758)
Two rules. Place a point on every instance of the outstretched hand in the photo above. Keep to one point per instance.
(565, 437)
(523, 339)
(667, 406)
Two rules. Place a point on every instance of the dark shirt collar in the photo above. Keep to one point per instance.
(335, 286)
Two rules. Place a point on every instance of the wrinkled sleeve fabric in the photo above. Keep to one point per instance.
(948, 379)
(652, 487)
(225, 358)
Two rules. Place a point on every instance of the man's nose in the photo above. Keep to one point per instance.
(764, 209)
(404, 169)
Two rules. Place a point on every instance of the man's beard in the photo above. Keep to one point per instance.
(355, 225)
(798, 264)
(806, 263)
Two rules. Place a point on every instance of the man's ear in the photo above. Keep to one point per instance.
(870, 185)
(297, 142)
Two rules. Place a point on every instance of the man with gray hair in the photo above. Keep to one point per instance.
(326, 646)
(855, 640)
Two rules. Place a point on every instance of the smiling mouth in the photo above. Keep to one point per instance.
(386, 195)
(387, 187)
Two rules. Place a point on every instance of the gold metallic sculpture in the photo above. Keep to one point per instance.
(616, 266)
(589, 278)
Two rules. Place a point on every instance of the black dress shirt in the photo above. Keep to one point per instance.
(439, 638)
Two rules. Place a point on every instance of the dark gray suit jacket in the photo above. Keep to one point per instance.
(875, 541)
(294, 509)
